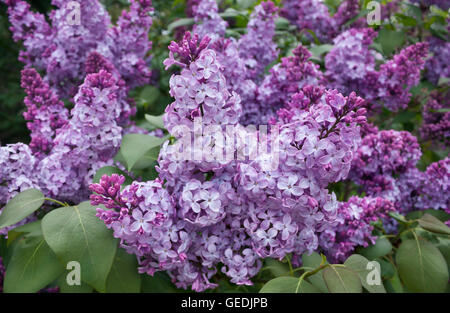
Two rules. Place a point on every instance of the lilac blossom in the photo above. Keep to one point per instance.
(437, 66)
(350, 65)
(284, 80)
(256, 47)
(310, 15)
(234, 212)
(207, 18)
(354, 226)
(62, 47)
(17, 174)
(435, 124)
(200, 89)
(45, 112)
(401, 73)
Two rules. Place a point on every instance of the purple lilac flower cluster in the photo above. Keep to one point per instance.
(350, 65)
(435, 193)
(62, 47)
(45, 112)
(436, 124)
(438, 66)
(200, 213)
(385, 166)
(66, 147)
(398, 75)
(347, 10)
(87, 141)
(17, 162)
(256, 47)
(383, 156)
(284, 80)
(243, 60)
(66, 172)
(200, 90)
(310, 15)
(209, 22)
(313, 15)
(17, 165)
(354, 226)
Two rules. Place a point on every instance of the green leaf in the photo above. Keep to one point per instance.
(433, 225)
(387, 269)
(288, 285)
(318, 50)
(245, 4)
(232, 13)
(31, 229)
(65, 288)
(439, 214)
(156, 121)
(390, 40)
(149, 95)
(21, 206)
(76, 234)
(437, 11)
(282, 23)
(406, 20)
(358, 263)
(404, 117)
(444, 247)
(443, 81)
(124, 276)
(394, 284)
(381, 247)
(276, 267)
(157, 283)
(398, 217)
(186, 21)
(135, 146)
(421, 266)
(341, 280)
(313, 261)
(32, 266)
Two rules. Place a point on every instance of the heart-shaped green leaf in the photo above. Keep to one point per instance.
(313, 261)
(156, 121)
(76, 234)
(381, 247)
(124, 276)
(358, 263)
(288, 285)
(421, 266)
(433, 225)
(341, 280)
(32, 266)
(19, 207)
(135, 146)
